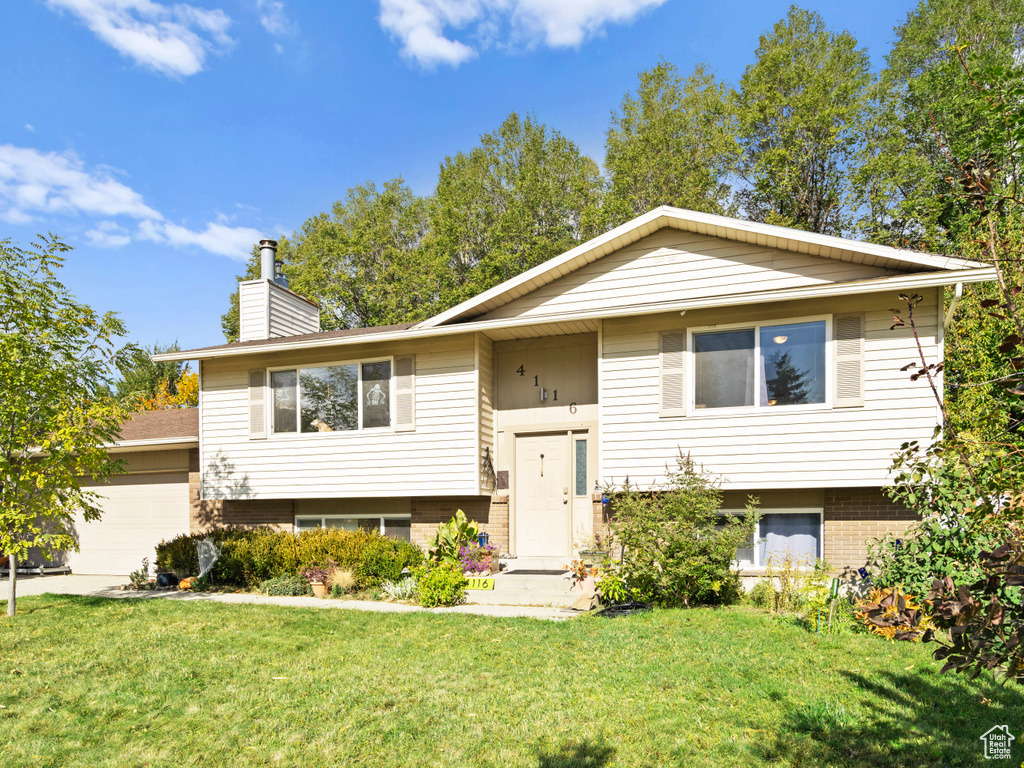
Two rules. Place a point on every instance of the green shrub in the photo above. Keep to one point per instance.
(934, 548)
(797, 583)
(378, 564)
(291, 586)
(442, 584)
(679, 550)
(250, 557)
(762, 595)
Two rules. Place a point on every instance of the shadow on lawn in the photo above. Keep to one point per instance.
(585, 755)
(908, 720)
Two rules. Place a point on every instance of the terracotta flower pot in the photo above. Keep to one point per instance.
(319, 589)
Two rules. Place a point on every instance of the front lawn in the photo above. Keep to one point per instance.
(94, 682)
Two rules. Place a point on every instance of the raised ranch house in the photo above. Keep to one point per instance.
(765, 352)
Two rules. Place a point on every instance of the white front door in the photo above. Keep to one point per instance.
(542, 495)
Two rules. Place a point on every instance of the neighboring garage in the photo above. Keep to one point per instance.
(146, 505)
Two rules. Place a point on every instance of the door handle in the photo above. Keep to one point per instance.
(565, 495)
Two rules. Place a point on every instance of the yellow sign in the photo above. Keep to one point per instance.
(478, 582)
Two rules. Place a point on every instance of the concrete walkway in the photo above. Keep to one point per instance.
(109, 586)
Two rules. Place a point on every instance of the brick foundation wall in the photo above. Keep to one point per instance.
(278, 515)
(853, 517)
(490, 511)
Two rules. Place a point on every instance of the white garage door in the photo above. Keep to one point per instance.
(138, 511)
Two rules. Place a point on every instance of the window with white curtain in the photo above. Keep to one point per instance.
(796, 532)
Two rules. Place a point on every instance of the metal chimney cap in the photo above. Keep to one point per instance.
(268, 242)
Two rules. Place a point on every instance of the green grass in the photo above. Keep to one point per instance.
(93, 682)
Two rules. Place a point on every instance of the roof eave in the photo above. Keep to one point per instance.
(153, 444)
(854, 287)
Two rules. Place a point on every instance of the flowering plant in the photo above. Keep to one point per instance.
(581, 570)
(475, 559)
(584, 541)
(316, 575)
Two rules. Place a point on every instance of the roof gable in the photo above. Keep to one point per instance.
(832, 254)
(673, 265)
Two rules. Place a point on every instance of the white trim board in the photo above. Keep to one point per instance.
(872, 285)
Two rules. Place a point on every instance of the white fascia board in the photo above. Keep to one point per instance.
(155, 444)
(674, 217)
(855, 287)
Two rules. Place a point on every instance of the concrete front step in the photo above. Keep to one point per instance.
(511, 581)
(511, 588)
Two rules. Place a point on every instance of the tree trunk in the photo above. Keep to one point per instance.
(13, 582)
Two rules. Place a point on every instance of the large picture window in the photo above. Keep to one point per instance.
(763, 366)
(332, 398)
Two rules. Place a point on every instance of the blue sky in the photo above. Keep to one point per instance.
(162, 139)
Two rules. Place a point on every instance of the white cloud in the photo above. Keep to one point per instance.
(427, 28)
(420, 25)
(567, 23)
(108, 234)
(34, 184)
(233, 242)
(28, 127)
(274, 18)
(173, 40)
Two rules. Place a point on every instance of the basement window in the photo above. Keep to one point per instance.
(796, 532)
(341, 397)
(393, 526)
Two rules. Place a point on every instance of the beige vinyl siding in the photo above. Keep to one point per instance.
(438, 458)
(485, 369)
(675, 266)
(252, 310)
(770, 448)
(291, 315)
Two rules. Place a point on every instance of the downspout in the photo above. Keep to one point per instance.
(957, 295)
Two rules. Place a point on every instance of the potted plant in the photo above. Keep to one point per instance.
(584, 577)
(591, 547)
(477, 560)
(317, 578)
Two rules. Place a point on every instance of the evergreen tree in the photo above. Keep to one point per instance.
(788, 384)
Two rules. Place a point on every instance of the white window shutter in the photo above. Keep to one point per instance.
(673, 381)
(849, 360)
(405, 393)
(257, 404)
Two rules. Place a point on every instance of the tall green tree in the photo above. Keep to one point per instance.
(142, 378)
(524, 195)
(363, 262)
(925, 123)
(55, 410)
(673, 142)
(801, 109)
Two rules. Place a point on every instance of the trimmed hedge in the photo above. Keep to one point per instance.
(250, 557)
